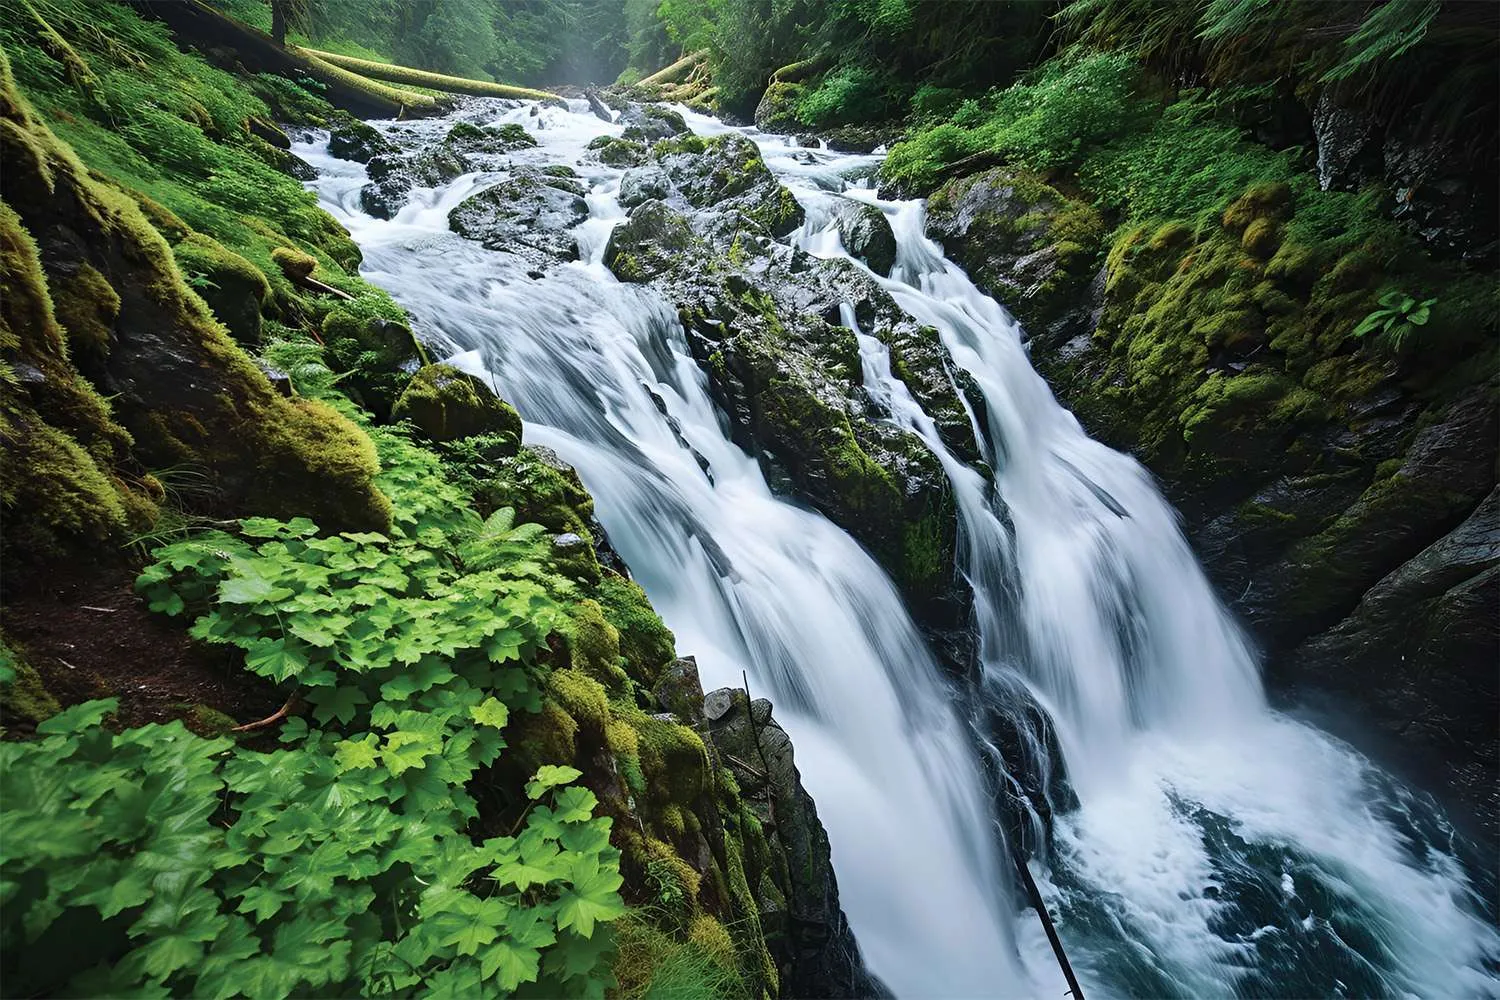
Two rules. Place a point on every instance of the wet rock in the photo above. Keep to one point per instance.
(726, 173)
(1418, 655)
(467, 138)
(529, 214)
(618, 152)
(351, 139)
(807, 932)
(598, 107)
(648, 123)
(651, 242)
(678, 689)
(446, 404)
(393, 176)
(1032, 248)
(643, 184)
(866, 234)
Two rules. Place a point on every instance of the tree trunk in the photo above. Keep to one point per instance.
(278, 22)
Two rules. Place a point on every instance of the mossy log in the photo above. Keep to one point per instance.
(199, 25)
(799, 71)
(674, 72)
(422, 78)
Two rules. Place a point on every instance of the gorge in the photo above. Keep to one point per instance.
(975, 496)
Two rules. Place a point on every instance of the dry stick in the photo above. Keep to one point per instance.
(755, 735)
(270, 720)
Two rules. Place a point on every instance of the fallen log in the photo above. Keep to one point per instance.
(433, 81)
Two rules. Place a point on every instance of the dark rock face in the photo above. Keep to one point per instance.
(644, 184)
(808, 935)
(466, 138)
(531, 214)
(866, 234)
(1419, 654)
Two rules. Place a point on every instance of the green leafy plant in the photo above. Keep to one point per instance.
(1397, 319)
(350, 861)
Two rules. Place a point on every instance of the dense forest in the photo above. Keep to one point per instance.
(749, 498)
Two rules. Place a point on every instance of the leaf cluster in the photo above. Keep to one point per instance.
(342, 863)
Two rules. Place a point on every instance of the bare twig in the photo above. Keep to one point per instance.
(270, 720)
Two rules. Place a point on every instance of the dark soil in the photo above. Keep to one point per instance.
(89, 635)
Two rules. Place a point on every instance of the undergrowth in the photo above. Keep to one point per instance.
(352, 860)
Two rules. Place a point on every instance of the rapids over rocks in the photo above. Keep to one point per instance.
(1190, 840)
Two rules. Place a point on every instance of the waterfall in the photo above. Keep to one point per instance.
(602, 374)
(1215, 847)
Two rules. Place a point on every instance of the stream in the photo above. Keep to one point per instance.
(1202, 844)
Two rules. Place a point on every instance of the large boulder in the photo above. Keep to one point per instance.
(1031, 247)
(726, 173)
(866, 234)
(446, 404)
(651, 242)
(531, 214)
(470, 139)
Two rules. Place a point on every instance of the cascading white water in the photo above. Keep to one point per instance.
(1217, 847)
(601, 373)
(1186, 781)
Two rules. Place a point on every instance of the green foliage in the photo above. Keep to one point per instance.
(1070, 110)
(852, 93)
(344, 863)
(1397, 318)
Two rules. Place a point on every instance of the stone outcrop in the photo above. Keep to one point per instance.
(796, 891)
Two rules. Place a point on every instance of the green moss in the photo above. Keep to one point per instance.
(294, 263)
(1262, 238)
(445, 403)
(644, 640)
(624, 744)
(22, 693)
(583, 699)
(546, 737)
(594, 646)
(234, 288)
(87, 307)
(314, 462)
(673, 758)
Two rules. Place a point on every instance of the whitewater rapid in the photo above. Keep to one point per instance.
(1215, 847)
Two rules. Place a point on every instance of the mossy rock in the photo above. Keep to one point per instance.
(351, 139)
(594, 646)
(645, 642)
(234, 288)
(446, 404)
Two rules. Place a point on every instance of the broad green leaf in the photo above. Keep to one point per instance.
(550, 776)
(276, 659)
(592, 898)
(355, 755)
(509, 965)
(170, 603)
(491, 712)
(341, 703)
(573, 805)
(79, 717)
